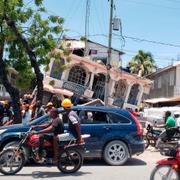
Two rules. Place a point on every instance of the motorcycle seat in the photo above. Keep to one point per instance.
(70, 137)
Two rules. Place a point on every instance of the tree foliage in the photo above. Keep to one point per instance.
(39, 30)
(28, 35)
(142, 64)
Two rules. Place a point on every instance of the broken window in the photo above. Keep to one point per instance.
(120, 89)
(78, 52)
(98, 86)
(119, 94)
(133, 94)
(77, 75)
(57, 68)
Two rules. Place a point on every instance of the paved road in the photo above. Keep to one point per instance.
(138, 168)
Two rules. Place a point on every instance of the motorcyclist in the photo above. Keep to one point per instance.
(73, 120)
(56, 127)
(169, 121)
(177, 118)
(170, 129)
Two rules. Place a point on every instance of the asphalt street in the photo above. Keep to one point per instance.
(137, 168)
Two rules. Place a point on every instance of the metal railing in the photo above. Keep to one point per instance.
(74, 87)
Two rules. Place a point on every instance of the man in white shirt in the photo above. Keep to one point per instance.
(26, 115)
(177, 118)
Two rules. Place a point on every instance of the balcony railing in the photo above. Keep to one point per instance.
(118, 102)
(76, 88)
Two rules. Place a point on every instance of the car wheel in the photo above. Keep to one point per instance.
(116, 153)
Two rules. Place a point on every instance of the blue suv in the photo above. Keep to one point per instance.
(115, 133)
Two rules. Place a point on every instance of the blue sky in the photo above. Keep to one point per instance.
(144, 19)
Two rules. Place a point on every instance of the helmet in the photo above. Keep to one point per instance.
(49, 104)
(5, 102)
(66, 103)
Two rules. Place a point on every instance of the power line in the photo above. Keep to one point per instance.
(74, 8)
(138, 40)
(149, 41)
(152, 41)
(151, 4)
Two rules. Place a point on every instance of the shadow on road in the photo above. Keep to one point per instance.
(99, 162)
(135, 162)
(46, 174)
(40, 174)
(89, 162)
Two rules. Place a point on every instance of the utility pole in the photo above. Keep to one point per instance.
(87, 27)
(108, 66)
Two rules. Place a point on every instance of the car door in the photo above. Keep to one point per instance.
(94, 123)
(120, 126)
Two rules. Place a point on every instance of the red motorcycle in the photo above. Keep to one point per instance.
(70, 158)
(169, 168)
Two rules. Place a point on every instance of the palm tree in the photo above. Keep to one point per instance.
(142, 64)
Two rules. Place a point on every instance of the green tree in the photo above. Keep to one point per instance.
(142, 64)
(27, 36)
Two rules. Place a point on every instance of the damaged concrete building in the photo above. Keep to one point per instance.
(84, 76)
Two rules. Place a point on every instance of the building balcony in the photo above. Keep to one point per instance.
(52, 81)
(74, 87)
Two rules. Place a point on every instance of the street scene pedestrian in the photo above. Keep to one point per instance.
(93, 82)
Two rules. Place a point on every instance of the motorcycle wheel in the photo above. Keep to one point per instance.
(147, 141)
(164, 172)
(70, 161)
(10, 163)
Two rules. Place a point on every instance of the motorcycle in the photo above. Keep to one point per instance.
(70, 157)
(169, 168)
(151, 136)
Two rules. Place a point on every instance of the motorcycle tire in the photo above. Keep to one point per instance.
(70, 161)
(147, 141)
(155, 171)
(6, 162)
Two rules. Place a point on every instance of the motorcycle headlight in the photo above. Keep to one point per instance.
(2, 131)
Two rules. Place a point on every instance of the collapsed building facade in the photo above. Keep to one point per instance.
(85, 76)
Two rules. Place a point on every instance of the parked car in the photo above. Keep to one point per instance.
(115, 133)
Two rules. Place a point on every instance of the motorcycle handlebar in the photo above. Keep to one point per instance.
(30, 129)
